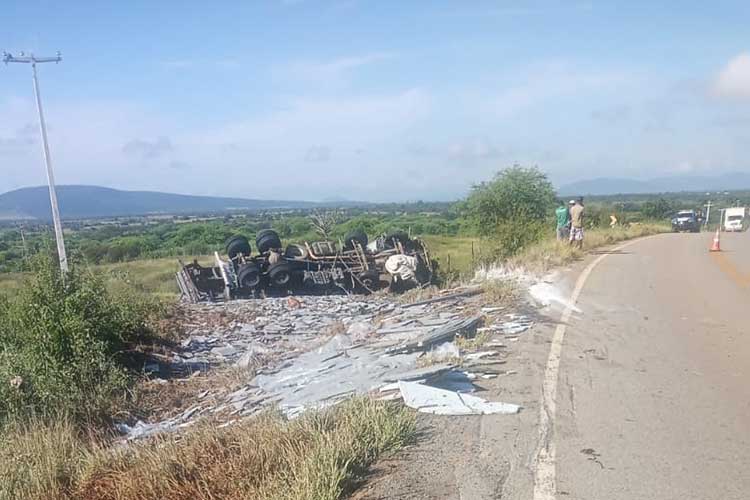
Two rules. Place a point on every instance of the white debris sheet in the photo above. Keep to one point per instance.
(377, 347)
(426, 399)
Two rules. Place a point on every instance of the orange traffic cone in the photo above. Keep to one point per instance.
(716, 245)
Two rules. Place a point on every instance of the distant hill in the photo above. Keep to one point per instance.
(77, 202)
(610, 185)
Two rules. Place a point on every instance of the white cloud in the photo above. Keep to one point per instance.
(539, 83)
(733, 80)
(187, 64)
(476, 148)
(148, 150)
(318, 154)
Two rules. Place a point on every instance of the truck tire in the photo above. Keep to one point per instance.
(296, 252)
(267, 240)
(238, 245)
(370, 280)
(248, 275)
(281, 275)
(352, 236)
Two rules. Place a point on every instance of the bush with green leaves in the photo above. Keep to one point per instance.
(61, 343)
(513, 210)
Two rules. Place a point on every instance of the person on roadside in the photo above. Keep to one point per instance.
(576, 224)
(570, 205)
(562, 216)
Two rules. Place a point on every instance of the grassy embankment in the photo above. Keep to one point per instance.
(549, 253)
(320, 455)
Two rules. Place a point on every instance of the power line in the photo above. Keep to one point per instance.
(33, 60)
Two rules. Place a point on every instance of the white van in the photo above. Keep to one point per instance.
(735, 219)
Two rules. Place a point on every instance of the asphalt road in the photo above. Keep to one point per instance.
(653, 394)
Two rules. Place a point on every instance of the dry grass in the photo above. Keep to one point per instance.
(549, 254)
(320, 455)
(499, 293)
(474, 343)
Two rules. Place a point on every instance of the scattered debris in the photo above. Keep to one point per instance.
(301, 354)
(428, 399)
(547, 295)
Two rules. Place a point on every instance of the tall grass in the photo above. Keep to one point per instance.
(549, 253)
(320, 455)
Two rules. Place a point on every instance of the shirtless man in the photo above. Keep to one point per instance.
(576, 224)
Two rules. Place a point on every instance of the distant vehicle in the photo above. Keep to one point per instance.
(735, 219)
(686, 220)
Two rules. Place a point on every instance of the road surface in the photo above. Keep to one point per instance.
(651, 390)
(653, 396)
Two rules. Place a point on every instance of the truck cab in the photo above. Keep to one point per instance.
(686, 220)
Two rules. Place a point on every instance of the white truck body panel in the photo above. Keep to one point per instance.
(735, 219)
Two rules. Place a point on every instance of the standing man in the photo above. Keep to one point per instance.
(563, 219)
(576, 224)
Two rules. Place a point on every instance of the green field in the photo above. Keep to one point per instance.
(455, 254)
(156, 276)
(153, 276)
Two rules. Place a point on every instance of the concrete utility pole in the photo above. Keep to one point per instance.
(31, 59)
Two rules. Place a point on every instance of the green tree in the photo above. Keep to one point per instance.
(513, 208)
(657, 209)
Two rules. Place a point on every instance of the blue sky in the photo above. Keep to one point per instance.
(382, 101)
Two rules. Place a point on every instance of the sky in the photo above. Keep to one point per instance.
(372, 100)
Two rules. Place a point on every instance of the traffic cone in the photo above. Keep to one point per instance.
(716, 245)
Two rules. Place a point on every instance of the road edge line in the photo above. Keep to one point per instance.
(545, 481)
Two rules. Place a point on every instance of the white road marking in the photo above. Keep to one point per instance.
(545, 482)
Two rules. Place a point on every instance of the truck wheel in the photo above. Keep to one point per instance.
(238, 245)
(248, 276)
(352, 236)
(370, 279)
(296, 252)
(280, 275)
(267, 240)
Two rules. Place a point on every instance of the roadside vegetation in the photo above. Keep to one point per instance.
(63, 343)
(66, 366)
(548, 253)
(320, 455)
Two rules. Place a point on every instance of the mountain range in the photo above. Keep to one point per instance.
(79, 202)
(673, 184)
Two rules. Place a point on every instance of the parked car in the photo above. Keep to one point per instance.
(686, 220)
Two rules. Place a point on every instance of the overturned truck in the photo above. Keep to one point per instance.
(394, 261)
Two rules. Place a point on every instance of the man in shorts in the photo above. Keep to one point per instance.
(576, 224)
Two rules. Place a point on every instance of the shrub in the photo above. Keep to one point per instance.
(512, 209)
(60, 343)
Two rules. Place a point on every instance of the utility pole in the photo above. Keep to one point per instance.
(708, 211)
(33, 60)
